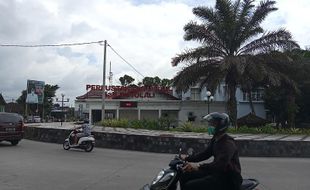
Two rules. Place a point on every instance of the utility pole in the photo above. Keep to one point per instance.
(62, 106)
(103, 80)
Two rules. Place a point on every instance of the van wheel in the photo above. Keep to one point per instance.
(89, 147)
(15, 142)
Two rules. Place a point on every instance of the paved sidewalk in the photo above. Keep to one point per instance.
(258, 137)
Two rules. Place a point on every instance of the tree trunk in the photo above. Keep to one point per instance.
(232, 104)
(251, 102)
(291, 113)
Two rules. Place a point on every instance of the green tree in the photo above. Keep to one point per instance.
(233, 43)
(49, 94)
(156, 81)
(278, 105)
(166, 82)
(126, 80)
(281, 101)
(151, 81)
(22, 98)
(303, 80)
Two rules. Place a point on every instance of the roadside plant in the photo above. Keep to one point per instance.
(199, 128)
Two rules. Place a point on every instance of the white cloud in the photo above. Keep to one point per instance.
(147, 35)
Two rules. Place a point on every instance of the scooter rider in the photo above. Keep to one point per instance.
(86, 131)
(224, 173)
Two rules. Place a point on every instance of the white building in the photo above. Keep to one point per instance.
(156, 102)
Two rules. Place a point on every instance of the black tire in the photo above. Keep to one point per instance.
(66, 145)
(89, 147)
(14, 142)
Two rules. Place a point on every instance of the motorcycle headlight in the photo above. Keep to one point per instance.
(167, 177)
(158, 177)
(162, 177)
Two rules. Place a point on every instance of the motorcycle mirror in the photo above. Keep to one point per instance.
(190, 151)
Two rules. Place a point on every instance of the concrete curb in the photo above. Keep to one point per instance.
(169, 143)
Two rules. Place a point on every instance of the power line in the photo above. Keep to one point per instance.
(50, 45)
(70, 44)
(126, 61)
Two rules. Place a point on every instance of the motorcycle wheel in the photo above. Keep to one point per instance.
(89, 147)
(66, 145)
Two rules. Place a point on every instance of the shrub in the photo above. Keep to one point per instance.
(187, 127)
(191, 127)
(115, 123)
(164, 124)
(144, 124)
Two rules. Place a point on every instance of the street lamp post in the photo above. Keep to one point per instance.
(62, 106)
(209, 98)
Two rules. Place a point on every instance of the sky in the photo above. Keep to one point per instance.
(146, 33)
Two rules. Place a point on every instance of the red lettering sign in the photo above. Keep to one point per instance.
(128, 104)
(130, 91)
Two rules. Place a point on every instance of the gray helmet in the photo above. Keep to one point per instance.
(218, 120)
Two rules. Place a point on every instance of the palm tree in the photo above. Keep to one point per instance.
(233, 45)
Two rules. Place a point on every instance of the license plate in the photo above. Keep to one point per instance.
(10, 129)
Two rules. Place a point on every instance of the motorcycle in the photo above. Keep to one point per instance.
(167, 179)
(85, 143)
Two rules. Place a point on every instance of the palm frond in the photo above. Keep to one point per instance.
(250, 19)
(244, 10)
(213, 80)
(242, 18)
(225, 27)
(200, 33)
(270, 69)
(277, 79)
(233, 26)
(236, 7)
(261, 12)
(280, 39)
(193, 74)
(193, 55)
(224, 9)
(206, 14)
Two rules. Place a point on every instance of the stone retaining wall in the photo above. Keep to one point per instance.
(170, 144)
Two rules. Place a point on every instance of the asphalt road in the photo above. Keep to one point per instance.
(43, 166)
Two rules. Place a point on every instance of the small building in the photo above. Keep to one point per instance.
(128, 103)
(133, 102)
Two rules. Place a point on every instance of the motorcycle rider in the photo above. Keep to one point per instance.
(86, 131)
(224, 172)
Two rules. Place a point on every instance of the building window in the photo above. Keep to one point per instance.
(195, 94)
(191, 116)
(257, 95)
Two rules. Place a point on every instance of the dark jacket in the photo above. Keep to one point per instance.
(226, 156)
